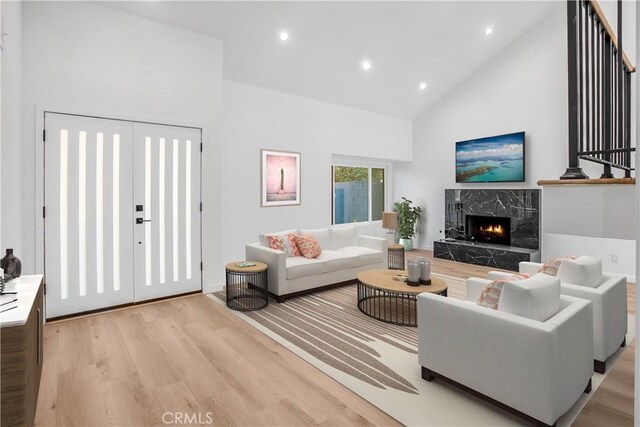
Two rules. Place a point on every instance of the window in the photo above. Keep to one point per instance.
(358, 194)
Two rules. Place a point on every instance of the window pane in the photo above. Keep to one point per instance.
(351, 194)
(377, 193)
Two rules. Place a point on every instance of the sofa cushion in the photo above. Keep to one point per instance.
(286, 243)
(536, 298)
(551, 267)
(322, 235)
(583, 271)
(365, 256)
(308, 246)
(299, 266)
(344, 236)
(263, 237)
(336, 261)
(490, 296)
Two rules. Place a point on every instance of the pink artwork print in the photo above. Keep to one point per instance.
(281, 178)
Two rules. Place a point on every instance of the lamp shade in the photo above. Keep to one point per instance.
(390, 220)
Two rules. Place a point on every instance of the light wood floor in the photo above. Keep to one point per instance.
(130, 367)
(133, 366)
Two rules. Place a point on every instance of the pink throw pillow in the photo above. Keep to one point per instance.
(308, 246)
(491, 295)
(285, 243)
(551, 268)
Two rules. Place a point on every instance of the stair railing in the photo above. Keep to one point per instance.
(599, 91)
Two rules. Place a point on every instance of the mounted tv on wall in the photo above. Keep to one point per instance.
(493, 159)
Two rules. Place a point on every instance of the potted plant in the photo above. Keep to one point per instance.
(408, 216)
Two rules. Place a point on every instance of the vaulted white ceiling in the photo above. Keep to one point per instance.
(441, 43)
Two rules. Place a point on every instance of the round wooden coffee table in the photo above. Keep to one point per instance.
(383, 298)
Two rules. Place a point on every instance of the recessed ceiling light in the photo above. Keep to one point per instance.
(366, 65)
(284, 36)
(488, 31)
(423, 86)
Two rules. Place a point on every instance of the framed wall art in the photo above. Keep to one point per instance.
(280, 178)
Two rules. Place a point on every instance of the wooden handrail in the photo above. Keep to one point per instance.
(601, 181)
(605, 23)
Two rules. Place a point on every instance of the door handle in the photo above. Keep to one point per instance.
(141, 220)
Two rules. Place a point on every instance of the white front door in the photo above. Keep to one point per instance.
(89, 213)
(101, 178)
(167, 199)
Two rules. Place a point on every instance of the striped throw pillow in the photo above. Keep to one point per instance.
(285, 243)
(551, 268)
(490, 297)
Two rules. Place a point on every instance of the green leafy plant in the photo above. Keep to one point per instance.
(408, 216)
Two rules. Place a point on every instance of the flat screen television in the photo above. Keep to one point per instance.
(492, 159)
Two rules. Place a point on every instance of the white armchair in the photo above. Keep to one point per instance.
(536, 370)
(609, 301)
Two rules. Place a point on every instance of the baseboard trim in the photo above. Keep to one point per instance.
(213, 287)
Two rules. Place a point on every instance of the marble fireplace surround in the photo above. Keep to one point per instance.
(521, 205)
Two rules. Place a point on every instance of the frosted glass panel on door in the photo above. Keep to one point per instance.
(99, 253)
(115, 211)
(82, 212)
(175, 195)
(187, 208)
(63, 190)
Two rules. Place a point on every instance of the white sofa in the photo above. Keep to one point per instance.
(536, 370)
(609, 299)
(345, 253)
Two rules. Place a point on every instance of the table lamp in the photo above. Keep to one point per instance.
(390, 222)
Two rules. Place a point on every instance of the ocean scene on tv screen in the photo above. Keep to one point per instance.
(494, 159)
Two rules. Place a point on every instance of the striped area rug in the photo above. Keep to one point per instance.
(377, 360)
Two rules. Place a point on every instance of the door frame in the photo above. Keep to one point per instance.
(40, 111)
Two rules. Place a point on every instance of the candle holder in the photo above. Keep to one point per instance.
(425, 271)
(413, 272)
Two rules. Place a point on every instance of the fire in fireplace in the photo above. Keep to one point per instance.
(489, 229)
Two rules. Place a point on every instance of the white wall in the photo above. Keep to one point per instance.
(83, 57)
(636, 400)
(596, 220)
(590, 210)
(257, 118)
(629, 26)
(11, 222)
(2, 25)
(524, 88)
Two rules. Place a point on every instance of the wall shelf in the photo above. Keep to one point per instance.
(600, 181)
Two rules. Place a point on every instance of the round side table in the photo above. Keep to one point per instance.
(396, 257)
(247, 287)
